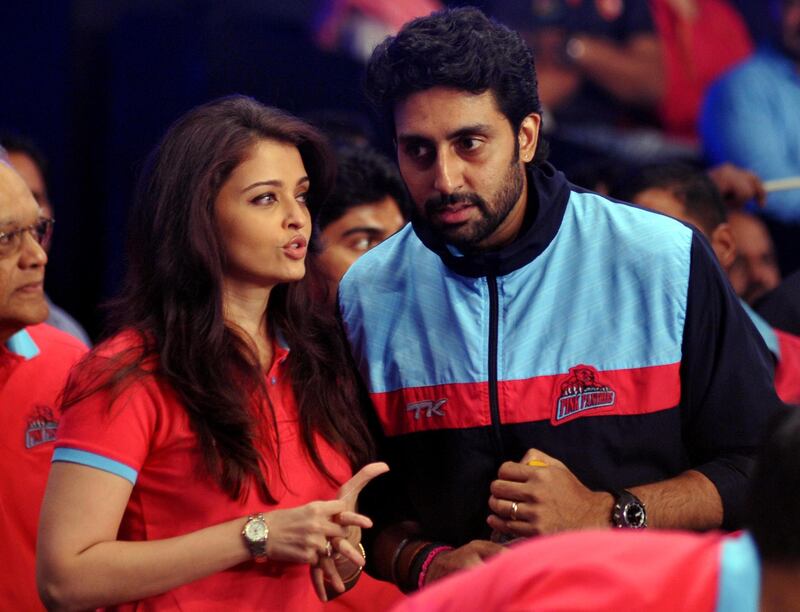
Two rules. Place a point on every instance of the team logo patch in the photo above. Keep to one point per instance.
(429, 408)
(41, 428)
(581, 391)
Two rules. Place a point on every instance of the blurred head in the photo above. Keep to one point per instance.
(790, 28)
(687, 194)
(22, 258)
(226, 198)
(31, 164)
(460, 92)
(368, 204)
(755, 269)
(774, 499)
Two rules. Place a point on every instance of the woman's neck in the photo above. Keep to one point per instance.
(245, 310)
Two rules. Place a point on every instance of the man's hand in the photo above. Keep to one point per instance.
(737, 185)
(549, 498)
(469, 555)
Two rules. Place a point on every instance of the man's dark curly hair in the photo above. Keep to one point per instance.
(363, 176)
(460, 48)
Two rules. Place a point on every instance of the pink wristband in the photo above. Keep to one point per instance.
(427, 563)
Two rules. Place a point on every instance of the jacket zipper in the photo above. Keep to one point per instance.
(494, 406)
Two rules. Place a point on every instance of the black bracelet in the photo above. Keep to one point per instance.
(415, 568)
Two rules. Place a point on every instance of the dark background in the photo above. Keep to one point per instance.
(96, 82)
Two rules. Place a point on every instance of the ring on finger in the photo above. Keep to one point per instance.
(328, 548)
(514, 508)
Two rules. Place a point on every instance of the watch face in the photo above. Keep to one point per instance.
(255, 530)
(634, 515)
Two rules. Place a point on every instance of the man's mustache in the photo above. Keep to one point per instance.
(441, 201)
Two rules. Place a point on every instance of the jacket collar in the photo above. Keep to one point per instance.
(548, 193)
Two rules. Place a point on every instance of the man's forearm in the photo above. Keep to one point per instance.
(687, 501)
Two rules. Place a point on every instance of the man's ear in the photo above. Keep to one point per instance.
(724, 245)
(528, 136)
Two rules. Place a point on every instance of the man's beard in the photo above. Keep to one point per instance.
(467, 236)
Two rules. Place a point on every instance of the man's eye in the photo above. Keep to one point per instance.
(362, 244)
(470, 144)
(418, 151)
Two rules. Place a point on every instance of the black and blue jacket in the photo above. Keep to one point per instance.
(605, 335)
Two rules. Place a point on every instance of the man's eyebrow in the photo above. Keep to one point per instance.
(467, 130)
(273, 183)
(363, 229)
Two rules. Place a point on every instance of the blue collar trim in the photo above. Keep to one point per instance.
(764, 328)
(739, 576)
(23, 345)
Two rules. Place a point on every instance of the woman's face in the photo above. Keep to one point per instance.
(263, 217)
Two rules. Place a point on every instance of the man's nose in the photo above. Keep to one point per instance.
(449, 173)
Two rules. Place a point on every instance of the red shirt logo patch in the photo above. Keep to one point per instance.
(41, 427)
(582, 390)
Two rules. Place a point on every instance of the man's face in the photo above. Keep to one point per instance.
(755, 270)
(354, 233)
(22, 270)
(790, 28)
(464, 165)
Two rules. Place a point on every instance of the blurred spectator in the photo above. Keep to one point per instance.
(31, 164)
(369, 203)
(34, 362)
(357, 26)
(701, 39)
(600, 73)
(755, 270)
(689, 195)
(781, 307)
(767, 86)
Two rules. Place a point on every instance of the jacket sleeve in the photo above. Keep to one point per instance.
(727, 389)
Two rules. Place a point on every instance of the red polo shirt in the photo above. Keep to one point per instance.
(144, 436)
(34, 364)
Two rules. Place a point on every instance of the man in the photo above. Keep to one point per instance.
(519, 318)
(754, 271)
(367, 205)
(31, 165)
(34, 362)
(689, 195)
(755, 571)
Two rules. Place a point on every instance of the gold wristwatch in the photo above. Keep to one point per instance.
(255, 534)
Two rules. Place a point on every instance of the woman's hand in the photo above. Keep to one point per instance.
(301, 535)
(348, 558)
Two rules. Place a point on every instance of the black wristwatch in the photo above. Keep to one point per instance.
(629, 511)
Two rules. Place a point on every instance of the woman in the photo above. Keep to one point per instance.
(194, 442)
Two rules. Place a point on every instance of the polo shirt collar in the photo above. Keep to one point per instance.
(23, 345)
(739, 575)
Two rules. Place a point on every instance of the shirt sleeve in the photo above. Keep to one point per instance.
(109, 432)
(728, 395)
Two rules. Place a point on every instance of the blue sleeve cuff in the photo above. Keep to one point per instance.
(71, 455)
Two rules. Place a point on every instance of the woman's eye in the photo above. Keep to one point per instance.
(302, 197)
(264, 198)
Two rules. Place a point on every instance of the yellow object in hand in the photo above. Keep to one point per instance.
(536, 463)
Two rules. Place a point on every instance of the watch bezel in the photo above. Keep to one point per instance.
(625, 502)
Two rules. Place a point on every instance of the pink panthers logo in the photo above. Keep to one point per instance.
(582, 390)
(41, 427)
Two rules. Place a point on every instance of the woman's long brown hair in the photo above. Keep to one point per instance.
(172, 297)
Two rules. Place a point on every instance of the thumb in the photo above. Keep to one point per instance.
(353, 487)
(537, 458)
